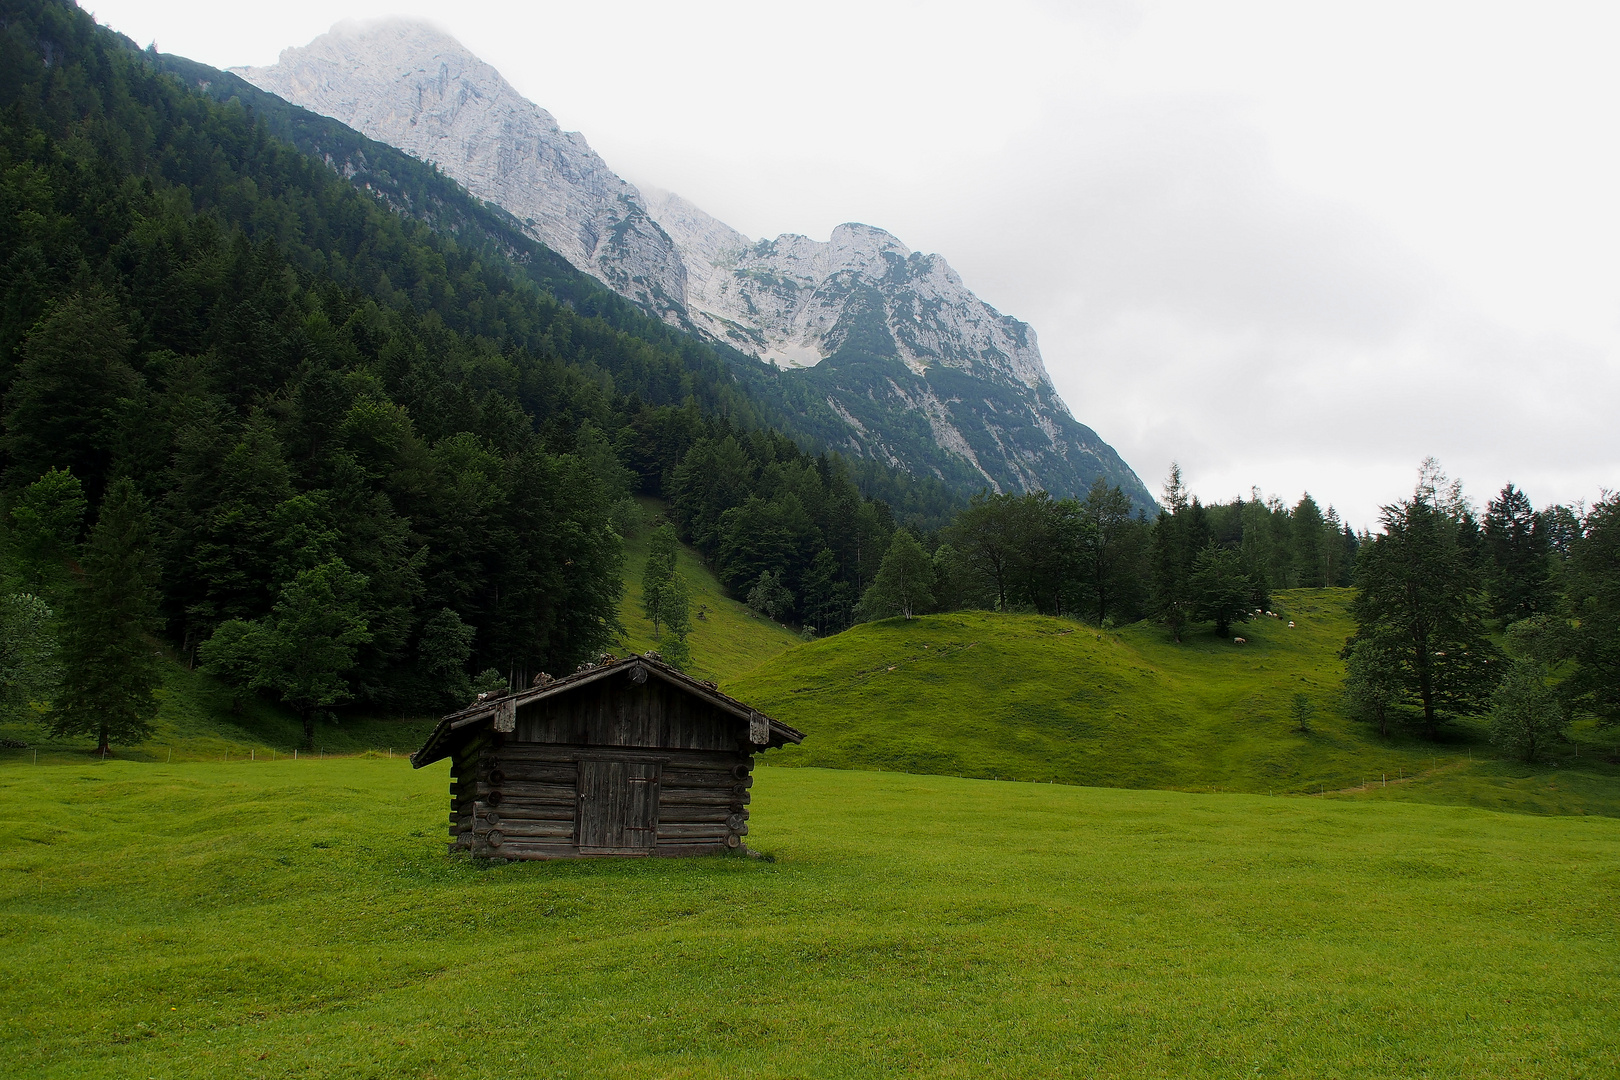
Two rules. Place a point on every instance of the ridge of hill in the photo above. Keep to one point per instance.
(1033, 698)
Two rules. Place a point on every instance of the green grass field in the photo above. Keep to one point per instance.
(729, 639)
(280, 919)
(1032, 698)
(196, 722)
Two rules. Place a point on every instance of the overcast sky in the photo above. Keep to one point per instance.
(1291, 245)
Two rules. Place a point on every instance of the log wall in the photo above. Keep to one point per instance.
(520, 800)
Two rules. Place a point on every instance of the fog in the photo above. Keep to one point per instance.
(1290, 246)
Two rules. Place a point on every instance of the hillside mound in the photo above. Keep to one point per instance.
(1026, 697)
(728, 637)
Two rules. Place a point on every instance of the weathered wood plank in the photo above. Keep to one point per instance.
(692, 815)
(510, 829)
(679, 850)
(535, 810)
(691, 797)
(570, 752)
(517, 789)
(707, 830)
(528, 772)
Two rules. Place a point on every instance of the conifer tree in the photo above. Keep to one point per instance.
(44, 534)
(1178, 536)
(1516, 562)
(1220, 589)
(657, 575)
(108, 654)
(1419, 599)
(67, 396)
(1593, 641)
(1308, 529)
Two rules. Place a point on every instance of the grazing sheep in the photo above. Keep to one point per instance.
(1290, 624)
(1240, 641)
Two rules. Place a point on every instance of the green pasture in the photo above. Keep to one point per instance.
(1025, 697)
(728, 638)
(291, 919)
(199, 719)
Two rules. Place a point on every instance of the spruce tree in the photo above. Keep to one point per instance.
(1308, 529)
(69, 392)
(1517, 568)
(108, 653)
(1220, 589)
(657, 575)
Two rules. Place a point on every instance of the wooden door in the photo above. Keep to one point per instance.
(618, 807)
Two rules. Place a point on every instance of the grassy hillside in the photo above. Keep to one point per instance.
(198, 721)
(1032, 698)
(302, 919)
(728, 638)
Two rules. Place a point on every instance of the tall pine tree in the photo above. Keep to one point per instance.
(1517, 569)
(109, 653)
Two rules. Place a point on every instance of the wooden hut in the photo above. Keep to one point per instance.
(626, 757)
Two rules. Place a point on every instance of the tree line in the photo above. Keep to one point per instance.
(1093, 559)
(1437, 588)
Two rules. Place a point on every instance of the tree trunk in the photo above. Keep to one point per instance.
(1425, 684)
(104, 746)
(309, 728)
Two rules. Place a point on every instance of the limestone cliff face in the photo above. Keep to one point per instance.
(913, 369)
(889, 337)
(414, 87)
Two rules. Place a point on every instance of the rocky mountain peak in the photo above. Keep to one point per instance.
(903, 362)
(413, 86)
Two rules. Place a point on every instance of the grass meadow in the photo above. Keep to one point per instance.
(201, 906)
(281, 919)
(1032, 698)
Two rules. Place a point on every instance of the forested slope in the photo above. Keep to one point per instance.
(338, 423)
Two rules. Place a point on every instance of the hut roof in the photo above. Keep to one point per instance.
(490, 711)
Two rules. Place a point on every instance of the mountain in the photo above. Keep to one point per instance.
(415, 88)
(883, 351)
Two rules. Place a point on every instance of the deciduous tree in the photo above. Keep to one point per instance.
(904, 583)
(1525, 713)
